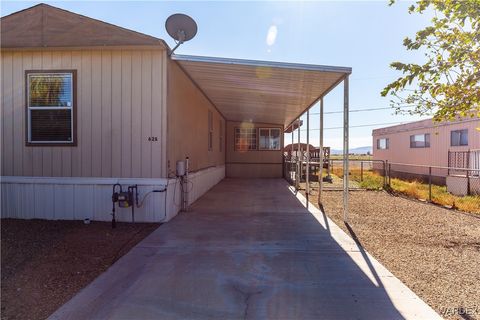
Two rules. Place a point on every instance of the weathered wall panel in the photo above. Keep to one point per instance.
(120, 104)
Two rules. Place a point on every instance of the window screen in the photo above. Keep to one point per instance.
(269, 139)
(245, 139)
(459, 138)
(50, 107)
(420, 141)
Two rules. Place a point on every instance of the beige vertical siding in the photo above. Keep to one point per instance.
(252, 164)
(121, 102)
(188, 123)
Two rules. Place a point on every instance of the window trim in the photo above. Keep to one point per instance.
(424, 137)
(235, 140)
(269, 134)
(74, 142)
(460, 138)
(387, 143)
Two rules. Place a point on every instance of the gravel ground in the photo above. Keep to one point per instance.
(434, 251)
(44, 263)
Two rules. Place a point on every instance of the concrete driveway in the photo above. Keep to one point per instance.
(248, 249)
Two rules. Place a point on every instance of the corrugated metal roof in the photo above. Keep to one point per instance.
(43, 26)
(261, 91)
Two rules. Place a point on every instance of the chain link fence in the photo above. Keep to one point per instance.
(457, 188)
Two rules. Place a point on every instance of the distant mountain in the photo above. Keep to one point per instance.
(359, 150)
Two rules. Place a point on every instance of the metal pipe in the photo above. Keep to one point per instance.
(307, 170)
(320, 156)
(345, 149)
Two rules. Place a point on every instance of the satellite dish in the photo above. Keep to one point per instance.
(181, 28)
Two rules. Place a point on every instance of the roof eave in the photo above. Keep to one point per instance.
(261, 63)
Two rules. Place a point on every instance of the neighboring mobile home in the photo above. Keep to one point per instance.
(427, 143)
(86, 105)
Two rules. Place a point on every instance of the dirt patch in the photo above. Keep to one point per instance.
(434, 251)
(44, 263)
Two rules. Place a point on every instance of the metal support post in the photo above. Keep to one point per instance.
(320, 156)
(299, 163)
(307, 169)
(345, 149)
(430, 184)
(361, 170)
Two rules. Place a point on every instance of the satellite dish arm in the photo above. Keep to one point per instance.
(181, 40)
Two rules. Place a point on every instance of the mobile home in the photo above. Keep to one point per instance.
(87, 105)
(412, 146)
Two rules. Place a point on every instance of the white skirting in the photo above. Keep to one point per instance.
(81, 198)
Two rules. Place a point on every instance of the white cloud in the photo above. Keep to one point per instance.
(272, 35)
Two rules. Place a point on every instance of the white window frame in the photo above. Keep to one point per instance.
(270, 137)
(30, 75)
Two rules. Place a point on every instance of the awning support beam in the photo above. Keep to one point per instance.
(345, 148)
(299, 163)
(320, 156)
(307, 169)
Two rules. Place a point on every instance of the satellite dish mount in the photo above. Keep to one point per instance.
(181, 28)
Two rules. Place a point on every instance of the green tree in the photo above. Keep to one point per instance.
(447, 85)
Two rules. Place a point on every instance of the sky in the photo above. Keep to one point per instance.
(364, 35)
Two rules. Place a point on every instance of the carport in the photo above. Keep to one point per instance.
(252, 248)
(252, 91)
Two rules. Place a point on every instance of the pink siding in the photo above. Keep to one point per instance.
(437, 155)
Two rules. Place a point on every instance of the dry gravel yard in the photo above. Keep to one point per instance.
(44, 263)
(434, 251)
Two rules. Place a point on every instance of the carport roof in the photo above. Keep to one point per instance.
(261, 91)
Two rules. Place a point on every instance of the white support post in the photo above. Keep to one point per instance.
(320, 156)
(345, 149)
(307, 169)
(291, 154)
(299, 163)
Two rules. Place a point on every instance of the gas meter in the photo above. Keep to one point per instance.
(125, 199)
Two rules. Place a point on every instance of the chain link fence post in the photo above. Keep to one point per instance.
(361, 171)
(429, 184)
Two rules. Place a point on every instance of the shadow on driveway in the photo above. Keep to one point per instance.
(248, 249)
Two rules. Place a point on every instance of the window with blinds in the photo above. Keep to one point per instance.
(269, 139)
(50, 107)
